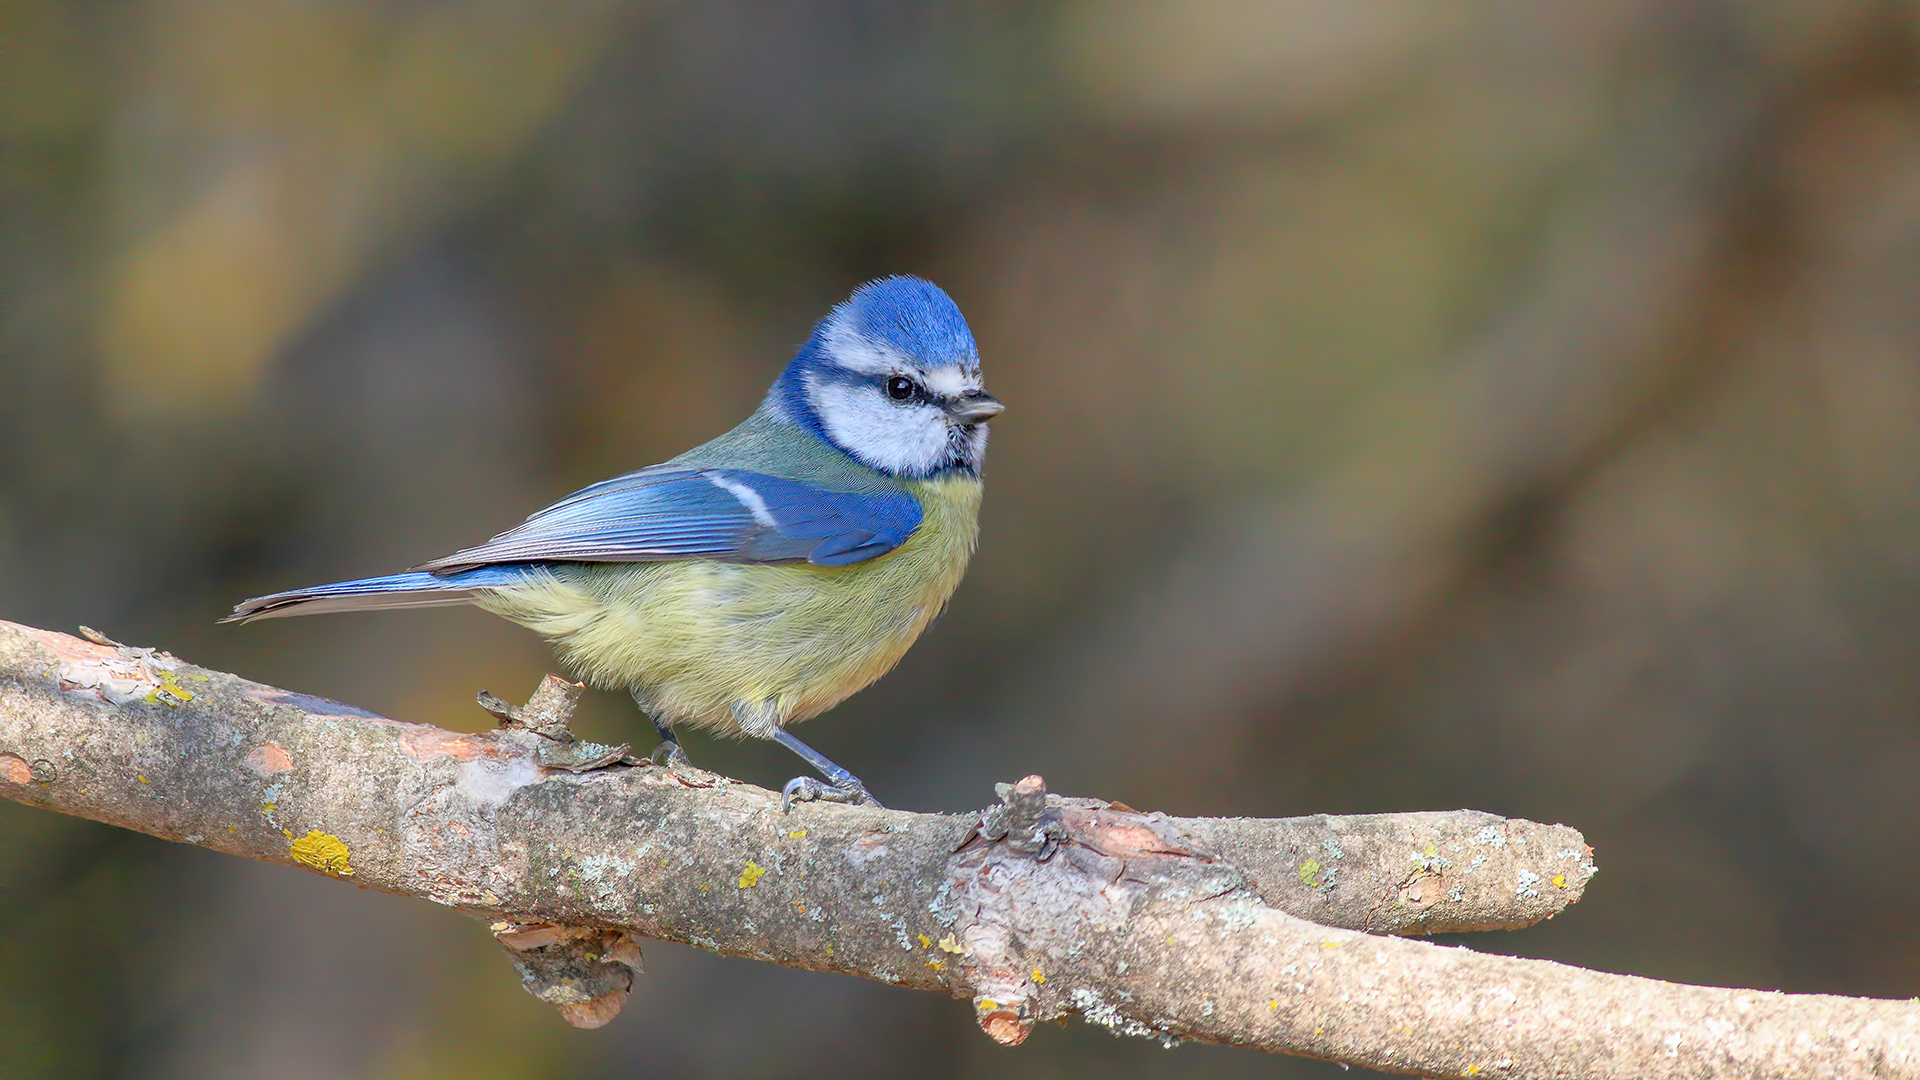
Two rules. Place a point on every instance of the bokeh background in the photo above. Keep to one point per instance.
(1413, 405)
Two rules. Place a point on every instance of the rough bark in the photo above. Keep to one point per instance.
(1038, 907)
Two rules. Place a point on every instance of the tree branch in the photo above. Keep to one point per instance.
(1039, 907)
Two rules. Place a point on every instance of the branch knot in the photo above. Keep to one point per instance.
(585, 971)
(1024, 819)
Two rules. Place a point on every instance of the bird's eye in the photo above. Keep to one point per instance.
(900, 388)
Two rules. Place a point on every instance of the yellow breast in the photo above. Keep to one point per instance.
(707, 643)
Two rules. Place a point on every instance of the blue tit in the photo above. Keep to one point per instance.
(761, 578)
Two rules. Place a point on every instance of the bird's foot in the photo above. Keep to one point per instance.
(808, 789)
(671, 755)
(839, 786)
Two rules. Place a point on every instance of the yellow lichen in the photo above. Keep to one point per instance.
(937, 965)
(1559, 881)
(947, 944)
(1037, 976)
(169, 692)
(751, 875)
(796, 834)
(1308, 871)
(323, 852)
(1273, 1004)
(925, 941)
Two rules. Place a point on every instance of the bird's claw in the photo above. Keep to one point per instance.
(808, 789)
(676, 758)
(680, 766)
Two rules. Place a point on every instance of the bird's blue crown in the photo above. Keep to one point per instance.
(892, 378)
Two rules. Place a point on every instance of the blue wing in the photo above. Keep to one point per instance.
(726, 514)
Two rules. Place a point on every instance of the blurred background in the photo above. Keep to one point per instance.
(1412, 405)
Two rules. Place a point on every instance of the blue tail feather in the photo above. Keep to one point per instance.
(408, 590)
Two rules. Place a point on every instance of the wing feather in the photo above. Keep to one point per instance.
(730, 515)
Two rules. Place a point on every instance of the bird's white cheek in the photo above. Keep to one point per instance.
(880, 433)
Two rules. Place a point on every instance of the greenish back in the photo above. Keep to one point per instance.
(767, 444)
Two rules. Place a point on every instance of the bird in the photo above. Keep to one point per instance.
(761, 578)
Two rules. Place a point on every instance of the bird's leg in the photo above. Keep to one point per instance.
(669, 742)
(841, 786)
(669, 748)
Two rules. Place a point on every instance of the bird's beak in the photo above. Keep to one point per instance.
(974, 406)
